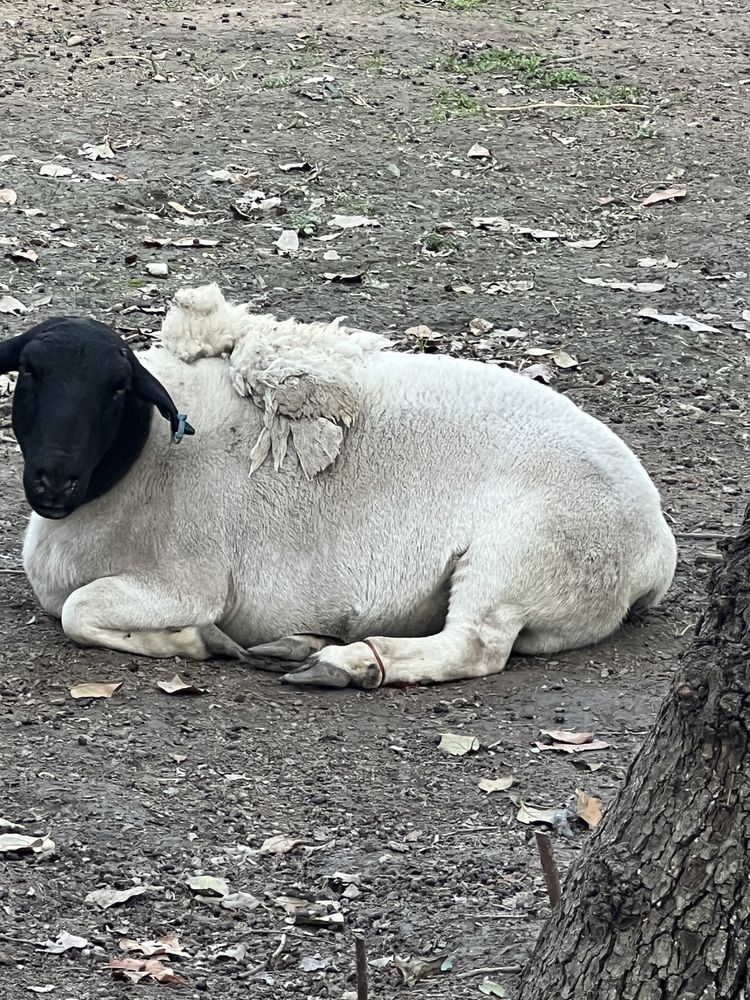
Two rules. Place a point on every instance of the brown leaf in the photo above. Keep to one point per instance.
(176, 685)
(136, 969)
(668, 194)
(458, 745)
(564, 736)
(344, 279)
(168, 945)
(573, 747)
(8, 196)
(181, 208)
(588, 807)
(95, 689)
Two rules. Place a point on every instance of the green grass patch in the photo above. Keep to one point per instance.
(455, 104)
(435, 241)
(465, 5)
(531, 68)
(275, 81)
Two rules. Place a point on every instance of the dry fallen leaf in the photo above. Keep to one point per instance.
(208, 885)
(64, 942)
(625, 286)
(677, 319)
(54, 170)
(479, 152)
(100, 151)
(181, 210)
(302, 165)
(48, 988)
(345, 279)
(176, 685)
(495, 223)
(564, 360)
(10, 304)
(351, 222)
(490, 785)
(481, 326)
(136, 969)
(280, 844)
(158, 268)
(540, 372)
(506, 287)
(668, 194)
(458, 746)
(104, 898)
(240, 901)
(585, 244)
(588, 807)
(540, 234)
(565, 736)
(31, 256)
(8, 196)
(414, 969)
(168, 945)
(573, 747)
(536, 814)
(288, 242)
(95, 689)
(420, 332)
(657, 262)
(491, 988)
(18, 843)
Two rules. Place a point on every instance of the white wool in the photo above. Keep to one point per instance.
(303, 376)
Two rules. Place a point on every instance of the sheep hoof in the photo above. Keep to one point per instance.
(292, 648)
(217, 643)
(320, 674)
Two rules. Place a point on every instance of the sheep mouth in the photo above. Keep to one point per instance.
(52, 513)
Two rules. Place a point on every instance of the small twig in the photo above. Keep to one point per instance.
(278, 951)
(701, 535)
(549, 867)
(508, 970)
(510, 108)
(473, 829)
(12, 571)
(360, 953)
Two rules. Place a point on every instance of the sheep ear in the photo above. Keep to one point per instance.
(10, 350)
(145, 386)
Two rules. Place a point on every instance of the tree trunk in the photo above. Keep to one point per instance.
(658, 906)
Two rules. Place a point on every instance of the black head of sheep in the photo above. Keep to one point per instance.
(82, 410)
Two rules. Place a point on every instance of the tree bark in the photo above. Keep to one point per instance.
(658, 906)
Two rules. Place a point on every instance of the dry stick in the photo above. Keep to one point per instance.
(505, 108)
(508, 970)
(360, 952)
(549, 867)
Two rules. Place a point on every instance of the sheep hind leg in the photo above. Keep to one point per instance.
(146, 618)
(463, 650)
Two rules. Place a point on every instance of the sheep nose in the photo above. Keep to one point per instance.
(54, 485)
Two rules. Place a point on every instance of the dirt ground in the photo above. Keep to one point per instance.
(382, 101)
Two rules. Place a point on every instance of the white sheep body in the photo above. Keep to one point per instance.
(451, 476)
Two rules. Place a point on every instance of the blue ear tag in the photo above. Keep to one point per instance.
(179, 434)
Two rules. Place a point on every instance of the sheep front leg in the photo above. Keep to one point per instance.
(147, 618)
(461, 651)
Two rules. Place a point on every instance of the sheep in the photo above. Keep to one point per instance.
(345, 515)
